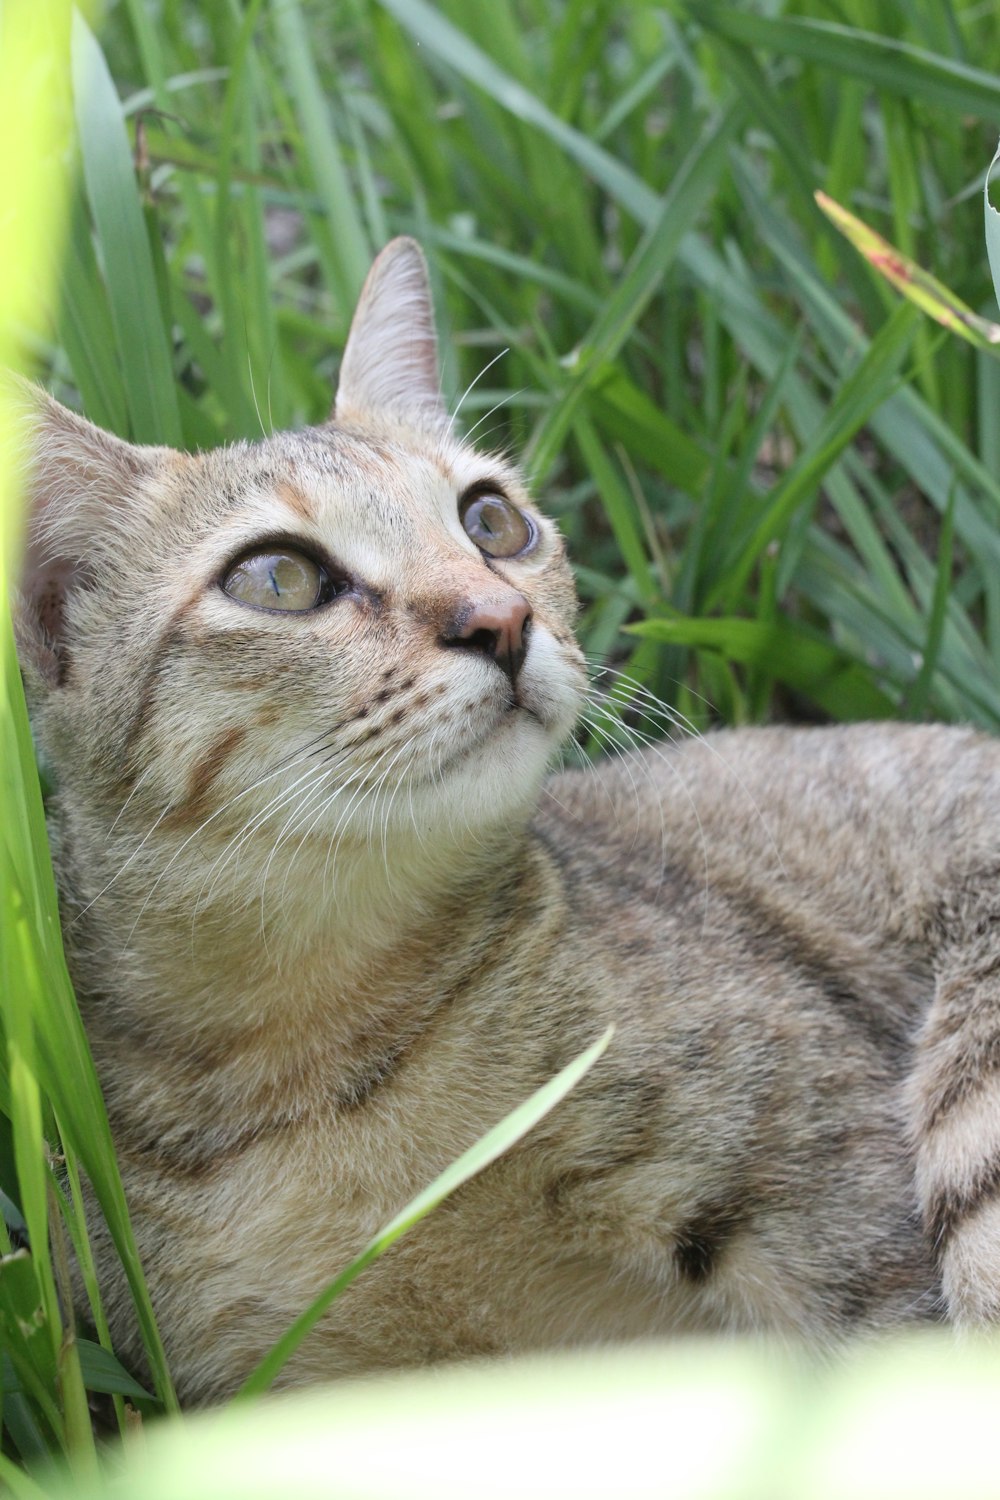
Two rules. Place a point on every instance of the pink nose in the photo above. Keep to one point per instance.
(498, 630)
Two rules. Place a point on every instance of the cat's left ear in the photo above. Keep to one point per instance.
(390, 367)
(82, 489)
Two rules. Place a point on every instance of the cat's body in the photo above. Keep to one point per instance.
(326, 932)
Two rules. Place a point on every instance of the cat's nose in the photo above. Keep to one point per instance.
(498, 630)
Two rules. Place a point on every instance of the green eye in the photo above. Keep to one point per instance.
(277, 579)
(498, 528)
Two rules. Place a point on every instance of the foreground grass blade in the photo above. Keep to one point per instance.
(900, 1419)
(493, 1144)
(41, 995)
(51, 1064)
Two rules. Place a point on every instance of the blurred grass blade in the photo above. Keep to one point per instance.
(19, 1484)
(883, 62)
(992, 221)
(858, 397)
(347, 252)
(493, 1144)
(916, 284)
(787, 651)
(432, 30)
(113, 193)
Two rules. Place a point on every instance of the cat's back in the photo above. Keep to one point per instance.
(860, 825)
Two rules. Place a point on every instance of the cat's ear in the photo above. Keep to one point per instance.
(80, 481)
(390, 366)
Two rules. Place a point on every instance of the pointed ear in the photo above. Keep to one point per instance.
(79, 481)
(390, 364)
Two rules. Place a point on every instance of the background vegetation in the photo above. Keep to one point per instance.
(781, 487)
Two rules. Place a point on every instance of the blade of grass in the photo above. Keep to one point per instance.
(65, 1068)
(786, 650)
(618, 507)
(883, 62)
(434, 31)
(918, 698)
(113, 193)
(858, 397)
(688, 193)
(20, 1484)
(916, 284)
(344, 244)
(493, 1144)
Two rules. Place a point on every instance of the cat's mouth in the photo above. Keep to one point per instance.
(510, 712)
(516, 704)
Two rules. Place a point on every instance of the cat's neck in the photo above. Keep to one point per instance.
(300, 939)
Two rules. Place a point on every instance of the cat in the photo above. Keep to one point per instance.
(330, 918)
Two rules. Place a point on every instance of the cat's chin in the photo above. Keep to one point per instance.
(495, 778)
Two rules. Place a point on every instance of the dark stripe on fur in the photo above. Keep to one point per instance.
(775, 937)
(703, 1239)
(196, 1156)
(965, 1076)
(949, 1209)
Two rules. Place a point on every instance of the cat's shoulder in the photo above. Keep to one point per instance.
(772, 777)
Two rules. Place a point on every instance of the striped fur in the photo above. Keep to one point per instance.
(329, 922)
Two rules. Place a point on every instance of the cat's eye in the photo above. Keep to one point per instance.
(498, 528)
(277, 578)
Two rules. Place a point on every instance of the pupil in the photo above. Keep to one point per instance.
(274, 582)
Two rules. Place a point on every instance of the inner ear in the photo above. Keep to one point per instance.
(79, 481)
(390, 367)
(41, 626)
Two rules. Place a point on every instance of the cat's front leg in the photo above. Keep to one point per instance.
(956, 1105)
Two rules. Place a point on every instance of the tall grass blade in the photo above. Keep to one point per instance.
(113, 194)
(881, 61)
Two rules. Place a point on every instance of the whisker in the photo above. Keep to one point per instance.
(472, 383)
(285, 764)
(510, 396)
(121, 811)
(250, 826)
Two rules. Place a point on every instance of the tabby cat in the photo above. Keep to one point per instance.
(329, 921)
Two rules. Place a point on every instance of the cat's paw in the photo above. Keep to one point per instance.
(970, 1268)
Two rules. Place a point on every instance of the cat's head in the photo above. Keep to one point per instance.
(363, 625)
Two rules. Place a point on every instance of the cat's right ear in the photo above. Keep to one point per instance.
(79, 482)
(390, 368)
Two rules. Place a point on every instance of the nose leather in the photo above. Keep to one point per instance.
(496, 628)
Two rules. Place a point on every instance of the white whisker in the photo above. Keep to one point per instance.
(472, 383)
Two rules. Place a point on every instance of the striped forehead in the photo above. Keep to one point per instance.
(372, 508)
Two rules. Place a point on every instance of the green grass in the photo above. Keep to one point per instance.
(780, 484)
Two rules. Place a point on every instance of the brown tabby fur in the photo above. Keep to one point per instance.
(328, 925)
